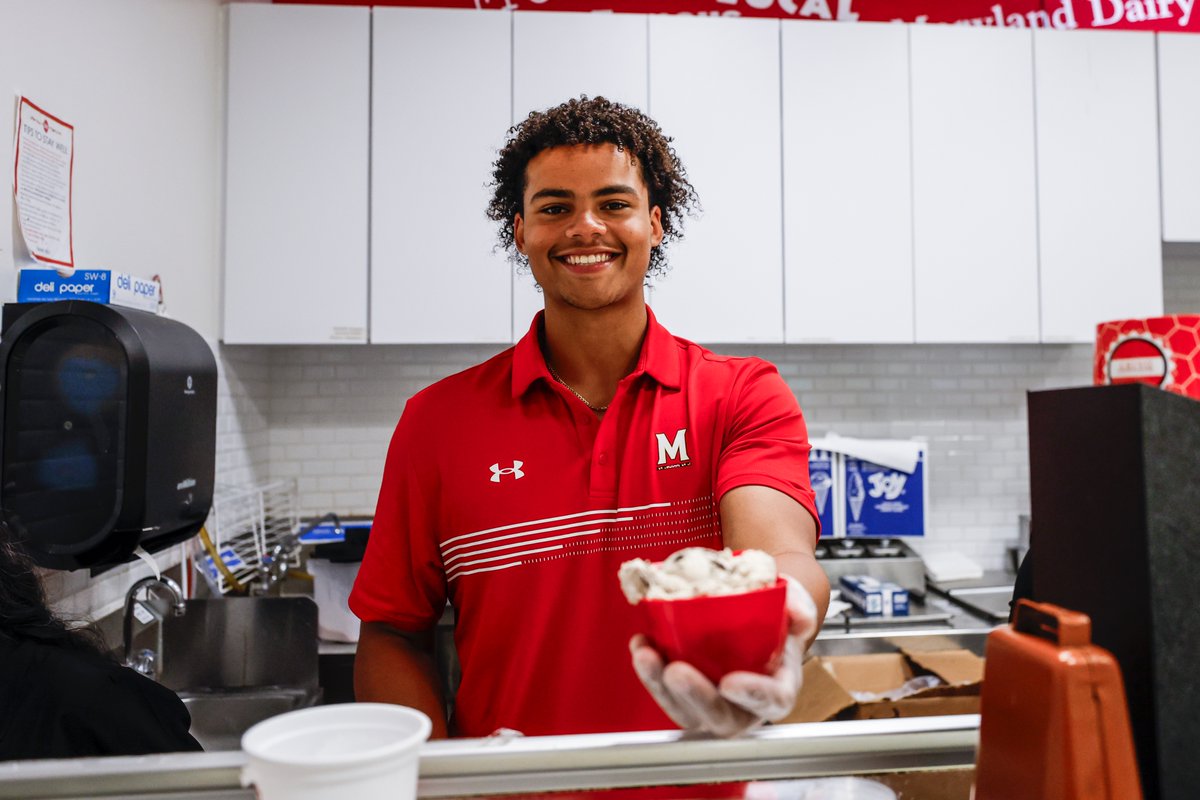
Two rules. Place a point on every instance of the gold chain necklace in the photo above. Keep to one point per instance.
(582, 399)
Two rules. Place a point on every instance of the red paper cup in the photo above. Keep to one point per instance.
(721, 634)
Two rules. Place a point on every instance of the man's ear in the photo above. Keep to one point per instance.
(656, 226)
(519, 233)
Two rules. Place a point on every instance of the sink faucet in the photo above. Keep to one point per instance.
(274, 565)
(145, 660)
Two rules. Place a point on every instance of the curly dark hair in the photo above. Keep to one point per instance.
(593, 121)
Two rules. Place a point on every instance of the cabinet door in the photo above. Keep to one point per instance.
(714, 87)
(560, 55)
(441, 104)
(847, 183)
(1179, 118)
(296, 174)
(1098, 190)
(974, 185)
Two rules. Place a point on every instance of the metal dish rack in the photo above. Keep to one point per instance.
(246, 526)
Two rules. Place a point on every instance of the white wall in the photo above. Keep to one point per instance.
(141, 81)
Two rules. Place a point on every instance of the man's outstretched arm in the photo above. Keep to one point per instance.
(394, 666)
(765, 519)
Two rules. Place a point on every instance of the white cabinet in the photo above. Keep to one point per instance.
(920, 183)
(560, 55)
(1098, 191)
(296, 174)
(974, 185)
(1179, 120)
(714, 86)
(441, 105)
(847, 183)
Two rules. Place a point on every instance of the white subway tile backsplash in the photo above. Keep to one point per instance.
(967, 401)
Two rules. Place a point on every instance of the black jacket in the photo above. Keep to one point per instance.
(61, 702)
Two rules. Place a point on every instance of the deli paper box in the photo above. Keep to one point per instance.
(97, 285)
(879, 501)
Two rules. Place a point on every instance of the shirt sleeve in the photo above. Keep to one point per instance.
(766, 440)
(401, 581)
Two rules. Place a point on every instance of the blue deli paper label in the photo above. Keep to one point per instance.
(95, 285)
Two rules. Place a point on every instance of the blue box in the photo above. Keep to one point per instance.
(822, 476)
(96, 285)
(327, 532)
(879, 501)
(874, 597)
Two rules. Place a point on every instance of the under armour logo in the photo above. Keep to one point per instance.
(514, 470)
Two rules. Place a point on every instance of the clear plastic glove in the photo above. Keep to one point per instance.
(743, 700)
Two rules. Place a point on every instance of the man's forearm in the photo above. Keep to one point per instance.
(805, 568)
(392, 667)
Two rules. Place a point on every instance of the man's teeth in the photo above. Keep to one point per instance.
(582, 260)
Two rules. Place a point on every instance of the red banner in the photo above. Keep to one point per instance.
(1145, 15)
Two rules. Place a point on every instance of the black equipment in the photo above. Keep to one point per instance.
(1115, 500)
(107, 433)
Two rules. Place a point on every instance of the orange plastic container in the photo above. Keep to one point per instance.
(1054, 721)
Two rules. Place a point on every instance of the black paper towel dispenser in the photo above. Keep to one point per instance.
(108, 431)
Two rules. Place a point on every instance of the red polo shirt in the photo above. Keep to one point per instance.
(506, 494)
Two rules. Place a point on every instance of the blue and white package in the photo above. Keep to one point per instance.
(880, 501)
(822, 476)
(97, 285)
(327, 532)
(874, 597)
(229, 557)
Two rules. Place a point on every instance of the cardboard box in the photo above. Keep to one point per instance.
(830, 680)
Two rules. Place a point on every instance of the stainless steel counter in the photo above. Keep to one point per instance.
(492, 767)
(953, 627)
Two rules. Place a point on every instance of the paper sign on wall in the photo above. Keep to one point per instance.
(42, 186)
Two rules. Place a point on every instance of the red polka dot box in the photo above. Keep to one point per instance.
(1160, 351)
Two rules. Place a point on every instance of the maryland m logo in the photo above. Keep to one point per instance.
(673, 453)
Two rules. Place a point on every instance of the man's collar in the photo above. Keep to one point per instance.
(659, 357)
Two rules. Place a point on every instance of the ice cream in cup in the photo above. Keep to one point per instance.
(718, 610)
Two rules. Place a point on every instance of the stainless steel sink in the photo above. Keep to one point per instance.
(236, 661)
(220, 718)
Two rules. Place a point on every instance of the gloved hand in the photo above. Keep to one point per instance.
(743, 700)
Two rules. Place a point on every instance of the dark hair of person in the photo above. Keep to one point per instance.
(585, 121)
(24, 613)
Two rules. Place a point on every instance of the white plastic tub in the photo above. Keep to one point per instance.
(368, 751)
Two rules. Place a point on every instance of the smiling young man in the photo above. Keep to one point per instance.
(516, 489)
